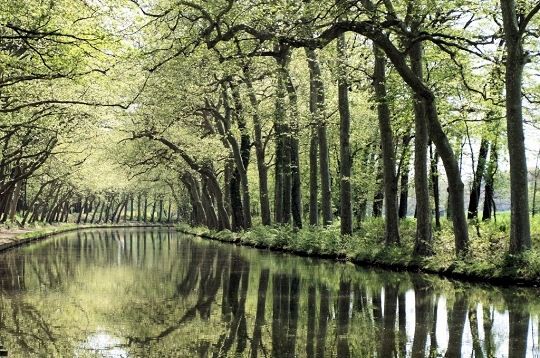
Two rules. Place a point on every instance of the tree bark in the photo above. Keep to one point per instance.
(313, 161)
(520, 231)
(434, 169)
(404, 181)
(243, 153)
(280, 166)
(212, 218)
(131, 206)
(284, 139)
(139, 197)
(320, 120)
(89, 207)
(199, 213)
(345, 204)
(424, 238)
(474, 198)
(81, 209)
(391, 235)
(92, 219)
(260, 150)
(296, 187)
(489, 190)
(145, 211)
(12, 208)
(153, 214)
(32, 208)
(535, 186)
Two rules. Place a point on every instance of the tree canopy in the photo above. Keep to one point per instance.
(236, 114)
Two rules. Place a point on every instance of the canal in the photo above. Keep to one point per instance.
(159, 293)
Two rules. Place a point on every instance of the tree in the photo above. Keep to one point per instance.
(515, 22)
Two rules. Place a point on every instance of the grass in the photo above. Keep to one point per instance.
(487, 259)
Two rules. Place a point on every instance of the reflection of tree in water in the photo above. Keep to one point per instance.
(203, 275)
(198, 298)
(256, 341)
(518, 320)
(233, 308)
(344, 302)
(456, 325)
(284, 314)
(423, 298)
(388, 336)
(27, 329)
(402, 323)
(12, 273)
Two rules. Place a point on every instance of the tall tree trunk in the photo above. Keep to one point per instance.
(33, 205)
(404, 181)
(296, 187)
(434, 169)
(279, 157)
(237, 221)
(474, 198)
(489, 192)
(313, 162)
(361, 192)
(345, 204)
(214, 188)
(212, 219)
(320, 120)
(49, 210)
(96, 209)
(139, 197)
(520, 230)
(153, 213)
(391, 235)
(81, 209)
(126, 208)
(145, 212)
(66, 211)
(535, 186)
(260, 149)
(160, 216)
(89, 208)
(378, 195)
(227, 178)
(424, 238)
(436, 132)
(131, 206)
(12, 208)
(242, 152)
(284, 138)
(199, 212)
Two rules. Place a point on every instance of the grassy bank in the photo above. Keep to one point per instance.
(487, 261)
(12, 237)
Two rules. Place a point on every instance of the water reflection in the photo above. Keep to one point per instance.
(132, 293)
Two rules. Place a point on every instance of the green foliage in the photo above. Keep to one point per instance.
(487, 259)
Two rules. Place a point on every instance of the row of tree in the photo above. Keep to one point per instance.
(434, 72)
(329, 96)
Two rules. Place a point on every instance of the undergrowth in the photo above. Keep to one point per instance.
(487, 258)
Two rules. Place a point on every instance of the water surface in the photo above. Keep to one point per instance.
(155, 293)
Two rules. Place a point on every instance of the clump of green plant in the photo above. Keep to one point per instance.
(487, 257)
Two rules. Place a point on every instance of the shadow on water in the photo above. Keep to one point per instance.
(134, 293)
